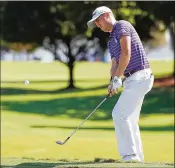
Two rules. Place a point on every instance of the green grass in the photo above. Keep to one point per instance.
(34, 116)
(97, 162)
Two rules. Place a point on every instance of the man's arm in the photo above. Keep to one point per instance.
(113, 71)
(125, 43)
(114, 67)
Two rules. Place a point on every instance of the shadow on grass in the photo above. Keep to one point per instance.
(53, 81)
(44, 165)
(62, 162)
(20, 91)
(159, 100)
(98, 162)
(142, 128)
(50, 165)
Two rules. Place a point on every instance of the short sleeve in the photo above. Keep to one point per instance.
(123, 30)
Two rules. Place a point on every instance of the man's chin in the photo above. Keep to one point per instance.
(105, 30)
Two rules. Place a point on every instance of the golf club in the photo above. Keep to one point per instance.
(62, 143)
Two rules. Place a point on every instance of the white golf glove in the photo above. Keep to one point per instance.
(116, 83)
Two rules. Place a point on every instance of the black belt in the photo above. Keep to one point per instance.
(135, 70)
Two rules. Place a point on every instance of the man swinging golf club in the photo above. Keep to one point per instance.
(128, 59)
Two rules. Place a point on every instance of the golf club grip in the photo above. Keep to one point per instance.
(108, 95)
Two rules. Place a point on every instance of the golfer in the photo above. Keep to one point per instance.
(128, 59)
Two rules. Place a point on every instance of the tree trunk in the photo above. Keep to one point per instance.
(71, 67)
(71, 79)
(172, 35)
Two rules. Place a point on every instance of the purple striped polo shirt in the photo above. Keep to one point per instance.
(138, 55)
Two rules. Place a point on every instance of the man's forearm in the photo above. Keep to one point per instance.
(123, 63)
(113, 70)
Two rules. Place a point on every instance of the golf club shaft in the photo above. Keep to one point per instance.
(89, 116)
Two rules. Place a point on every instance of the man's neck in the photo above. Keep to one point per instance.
(113, 22)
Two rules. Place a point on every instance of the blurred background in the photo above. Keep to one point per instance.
(68, 68)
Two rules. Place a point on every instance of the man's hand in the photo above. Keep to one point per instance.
(111, 91)
(115, 84)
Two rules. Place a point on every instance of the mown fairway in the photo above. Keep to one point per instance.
(34, 116)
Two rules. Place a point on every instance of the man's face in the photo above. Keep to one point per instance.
(103, 22)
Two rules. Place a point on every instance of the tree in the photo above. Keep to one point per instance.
(161, 11)
(33, 21)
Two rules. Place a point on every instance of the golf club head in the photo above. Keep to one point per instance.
(59, 142)
(62, 143)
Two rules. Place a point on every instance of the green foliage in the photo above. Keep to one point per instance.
(128, 11)
(163, 11)
(30, 21)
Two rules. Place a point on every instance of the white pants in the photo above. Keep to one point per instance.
(126, 112)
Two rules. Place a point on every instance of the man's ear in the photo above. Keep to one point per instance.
(108, 15)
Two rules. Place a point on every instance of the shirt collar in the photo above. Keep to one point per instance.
(113, 27)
